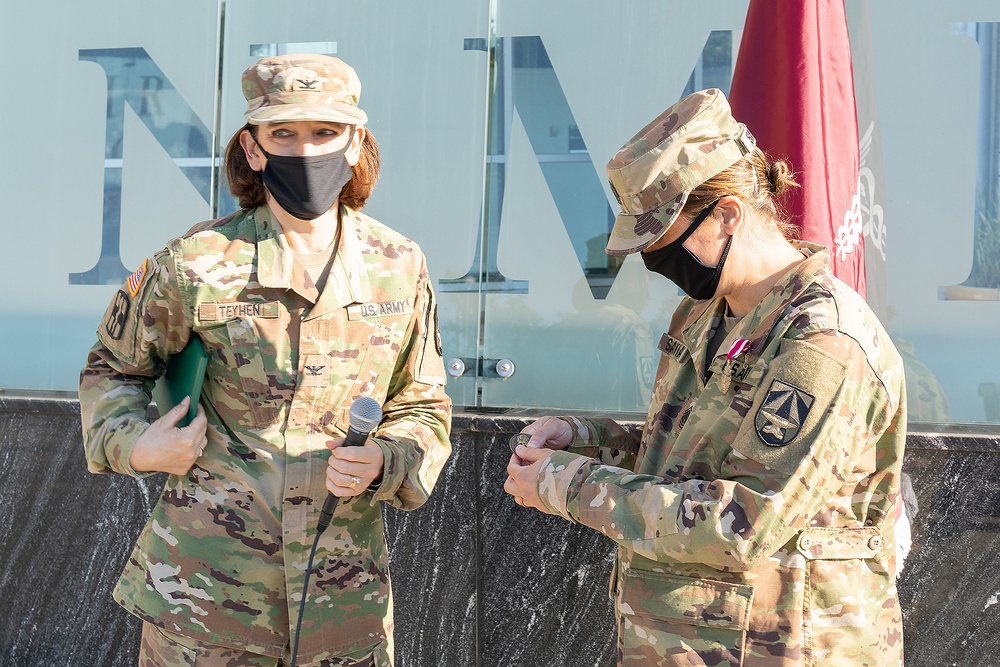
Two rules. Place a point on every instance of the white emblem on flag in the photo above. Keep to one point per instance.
(871, 211)
(850, 234)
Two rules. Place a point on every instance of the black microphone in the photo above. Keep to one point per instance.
(365, 415)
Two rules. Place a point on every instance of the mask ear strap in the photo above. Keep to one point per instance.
(254, 137)
(694, 224)
(352, 130)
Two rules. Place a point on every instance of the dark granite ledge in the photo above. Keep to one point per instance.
(968, 438)
(952, 437)
(38, 405)
(514, 419)
(477, 579)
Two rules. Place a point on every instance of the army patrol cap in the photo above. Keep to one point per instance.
(302, 86)
(653, 174)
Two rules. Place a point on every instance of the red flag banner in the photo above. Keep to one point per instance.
(793, 86)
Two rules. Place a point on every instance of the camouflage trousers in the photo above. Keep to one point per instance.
(160, 648)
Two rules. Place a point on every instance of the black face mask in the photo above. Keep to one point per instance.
(680, 265)
(306, 186)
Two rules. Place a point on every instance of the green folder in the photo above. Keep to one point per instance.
(183, 377)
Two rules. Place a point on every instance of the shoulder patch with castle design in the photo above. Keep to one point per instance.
(117, 315)
(119, 325)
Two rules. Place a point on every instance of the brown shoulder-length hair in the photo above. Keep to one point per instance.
(248, 187)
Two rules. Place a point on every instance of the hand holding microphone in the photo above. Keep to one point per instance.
(355, 463)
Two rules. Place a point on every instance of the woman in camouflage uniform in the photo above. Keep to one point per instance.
(303, 305)
(755, 514)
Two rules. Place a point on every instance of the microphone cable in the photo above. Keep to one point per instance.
(365, 415)
(302, 604)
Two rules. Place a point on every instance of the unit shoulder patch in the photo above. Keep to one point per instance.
(791, 407)
(117, 315)
(782, 414)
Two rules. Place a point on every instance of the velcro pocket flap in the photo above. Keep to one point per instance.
(702, 602)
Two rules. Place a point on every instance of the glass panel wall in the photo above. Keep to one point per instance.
(495, 119)
(581, 327)
(936, 85)
(423, 70)
(107, 143)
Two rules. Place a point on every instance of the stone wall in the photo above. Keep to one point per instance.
(477, 580)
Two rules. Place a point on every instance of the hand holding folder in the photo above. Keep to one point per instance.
(184, 376)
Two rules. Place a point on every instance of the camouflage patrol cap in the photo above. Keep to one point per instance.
(302, 86)
(653, 174)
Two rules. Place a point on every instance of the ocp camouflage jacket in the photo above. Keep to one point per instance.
(223, 556)
(755, 516)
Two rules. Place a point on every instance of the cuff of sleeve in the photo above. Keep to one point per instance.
(581, 434)
(555, 479)
(386, 486)
(120, 452)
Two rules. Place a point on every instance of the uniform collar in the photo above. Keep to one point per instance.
(348, 281)
(274, 257)
(758, 323)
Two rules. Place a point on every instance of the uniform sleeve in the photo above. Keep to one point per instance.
(819, 410)
(145, 323)
(604, 440)
(416, 423)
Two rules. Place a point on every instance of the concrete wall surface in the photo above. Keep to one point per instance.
(478, 581)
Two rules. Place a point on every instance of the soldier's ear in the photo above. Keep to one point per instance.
(353, 153)
(255, 158)
(731, 212)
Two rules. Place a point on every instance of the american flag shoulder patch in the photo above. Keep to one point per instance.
(135, 280)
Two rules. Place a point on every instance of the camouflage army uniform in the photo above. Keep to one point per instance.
(223, 556)
(754, 520)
